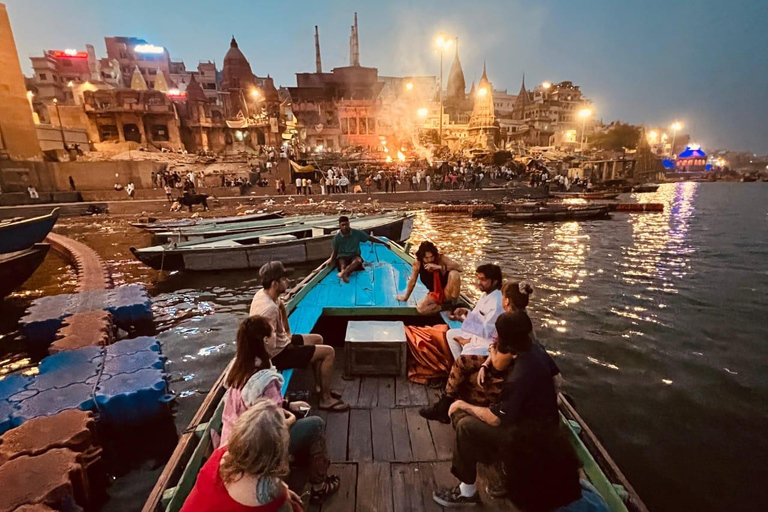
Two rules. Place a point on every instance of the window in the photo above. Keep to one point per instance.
(344, 125)
(363, 125)
(43, 77)
(371, 126)
(160, 132)
(108, 132)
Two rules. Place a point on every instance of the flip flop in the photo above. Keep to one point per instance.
(337, 406)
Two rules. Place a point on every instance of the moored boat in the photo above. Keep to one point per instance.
(18, 235)
(291, 244)
(17, 267)
(384, 414)
(155, 226)
(201, 232)
(645, 187)
(585, 195)
(554, 213)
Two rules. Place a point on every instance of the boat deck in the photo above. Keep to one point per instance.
(388, 457)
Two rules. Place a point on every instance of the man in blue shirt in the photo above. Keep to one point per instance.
(528, 397)
(346, 248)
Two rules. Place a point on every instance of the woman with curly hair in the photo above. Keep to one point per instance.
(441, 276)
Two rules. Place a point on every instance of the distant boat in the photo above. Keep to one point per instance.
(18, 235)
(155, 226)
(646, 187)
(17, 267)
(585, 195)
(747, 178)
(549, 213)
(202, 232)
(290, 244)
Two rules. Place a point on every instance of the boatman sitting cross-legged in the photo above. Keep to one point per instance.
(297, 350)
(346, 248)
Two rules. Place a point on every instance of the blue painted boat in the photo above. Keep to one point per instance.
(18, 235)
(321, 303)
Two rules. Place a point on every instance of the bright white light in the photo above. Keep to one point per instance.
(422, 112)
(546, 85)
(148, 48)
(482, 91)
(585, 112)
(71, 52)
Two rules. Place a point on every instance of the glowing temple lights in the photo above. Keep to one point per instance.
(482, 92)
(422, 112)
(585, 113)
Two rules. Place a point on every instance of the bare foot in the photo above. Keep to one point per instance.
(340, 275)
(345, 278)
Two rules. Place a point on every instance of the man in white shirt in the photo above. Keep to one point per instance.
(297, 350)
(478, 326)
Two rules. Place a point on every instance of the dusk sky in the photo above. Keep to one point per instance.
(704, 63)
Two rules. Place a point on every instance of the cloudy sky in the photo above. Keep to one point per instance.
(704, 62)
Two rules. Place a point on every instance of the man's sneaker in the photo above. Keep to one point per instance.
(452, 498)
(438, 411)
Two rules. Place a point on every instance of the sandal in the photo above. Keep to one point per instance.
(337, 406)
(334, 394)
(330, 486)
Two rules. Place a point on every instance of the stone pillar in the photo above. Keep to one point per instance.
(17, 128)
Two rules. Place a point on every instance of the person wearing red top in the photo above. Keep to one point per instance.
(245, 476)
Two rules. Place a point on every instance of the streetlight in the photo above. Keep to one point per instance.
(442, 44)
(409, 86)
(61, 126)
(546, 85)
(584, 114)
(422, 112)
(653, 136)
(676, 126)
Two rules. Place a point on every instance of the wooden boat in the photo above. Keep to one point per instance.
(154, 225)
(585, 195)
(203, 232)
(554, 213)
(18, 235)
(645, 187)
(17, 267)
(381, 444)
(291, 244)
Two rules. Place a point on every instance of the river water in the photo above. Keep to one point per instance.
(658, 322)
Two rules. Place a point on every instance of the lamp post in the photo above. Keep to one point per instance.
(676, 126)
(584, 114)
(61, 126)
(442, 44)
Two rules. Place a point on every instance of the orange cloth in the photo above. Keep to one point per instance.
(430, 355)
(438, 294)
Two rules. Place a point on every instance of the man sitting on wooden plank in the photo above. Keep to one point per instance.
(528, 400)
(297, 350)
(346, 248)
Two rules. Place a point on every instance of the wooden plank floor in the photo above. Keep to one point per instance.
(389, 458)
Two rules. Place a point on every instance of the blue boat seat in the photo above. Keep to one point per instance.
(453, 324)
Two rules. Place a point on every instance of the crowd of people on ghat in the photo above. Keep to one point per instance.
(500, 390)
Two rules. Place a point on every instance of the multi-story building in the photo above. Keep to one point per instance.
(132, 53)
(206, 77)
(56, 72)
(503, 103)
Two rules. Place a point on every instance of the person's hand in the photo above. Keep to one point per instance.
(481, 376)
(432, 267)
(458, 405)
(458, 314)
(295, 500)
(295, 407)
(462, 341)
(402, 298)
(290, 419)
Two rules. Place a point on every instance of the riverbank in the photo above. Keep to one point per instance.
(231, 205)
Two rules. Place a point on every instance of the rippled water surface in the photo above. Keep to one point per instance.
(658, 321)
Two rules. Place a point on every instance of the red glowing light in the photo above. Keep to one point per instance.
(177, 94)
(69, 54)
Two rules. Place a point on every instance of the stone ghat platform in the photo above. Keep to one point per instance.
(124, 383)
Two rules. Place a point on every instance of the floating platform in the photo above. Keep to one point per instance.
(129, 305)
(123, 382)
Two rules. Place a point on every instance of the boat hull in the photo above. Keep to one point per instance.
(185, 223)
(17, 267)
(585, 195)
(556, 215)
(302, 250)
(640, 189)
(20, 235)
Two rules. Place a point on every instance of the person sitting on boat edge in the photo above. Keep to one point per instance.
(246, 475)
(252, 377)
(542, 473)
(346, 248)
(297, 350)
(478, 325)
(440, 275)
(528, 399)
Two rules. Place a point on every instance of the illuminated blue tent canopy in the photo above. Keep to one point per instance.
(692, 151)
